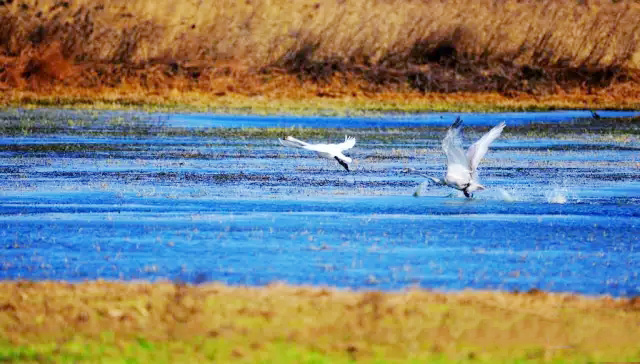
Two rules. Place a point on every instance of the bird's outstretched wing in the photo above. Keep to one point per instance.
(452, 144)
(348, 143)
(293, 142)
(477, 150)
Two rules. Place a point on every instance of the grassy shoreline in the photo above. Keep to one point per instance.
(303, 101)
(55, 321)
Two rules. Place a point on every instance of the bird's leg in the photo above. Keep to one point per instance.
(342, 163)
(466, 193)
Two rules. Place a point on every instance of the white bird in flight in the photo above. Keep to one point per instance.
(462, 169)
(330, 151)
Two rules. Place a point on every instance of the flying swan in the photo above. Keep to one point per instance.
(329, 151)
(462, 169)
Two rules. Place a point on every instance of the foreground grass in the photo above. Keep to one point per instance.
(163, 322)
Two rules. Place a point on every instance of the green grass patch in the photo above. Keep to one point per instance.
(220, 350)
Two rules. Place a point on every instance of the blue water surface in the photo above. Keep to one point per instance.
(204, 120)
(561, 213)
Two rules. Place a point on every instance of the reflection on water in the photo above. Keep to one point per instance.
(559, 213)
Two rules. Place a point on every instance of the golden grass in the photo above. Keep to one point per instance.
(262, 32)
(311, 99)
(369, 325)
(352, 51)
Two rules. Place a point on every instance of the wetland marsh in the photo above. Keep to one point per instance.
(203, 197)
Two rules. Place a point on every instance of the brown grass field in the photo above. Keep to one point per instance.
(99, 321)
(370, 54)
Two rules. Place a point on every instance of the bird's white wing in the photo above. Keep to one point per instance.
(348, 143)
(293, 142)
(452, 144)
(477, 150)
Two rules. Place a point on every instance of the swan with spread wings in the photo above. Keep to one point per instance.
(462, 168)
(329, 151)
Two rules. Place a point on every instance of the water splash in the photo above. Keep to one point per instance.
(557, 195)
(420, 189)
(506, 195)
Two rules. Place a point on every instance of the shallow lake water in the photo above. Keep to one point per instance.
(203, 197)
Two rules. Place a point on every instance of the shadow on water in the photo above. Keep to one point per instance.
(115, 195)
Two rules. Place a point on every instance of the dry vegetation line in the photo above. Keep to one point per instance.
(327, 320)
(443, 46)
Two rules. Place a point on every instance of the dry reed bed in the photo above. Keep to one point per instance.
(444, 46)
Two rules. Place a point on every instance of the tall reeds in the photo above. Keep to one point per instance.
(442, 45)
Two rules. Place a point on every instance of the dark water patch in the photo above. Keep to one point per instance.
(614, 126)
(320, 178)
(10, 169)
(18, 122)
(572, 147)
(59, 148)
(581, 173)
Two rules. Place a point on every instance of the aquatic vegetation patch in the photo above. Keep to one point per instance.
(23, 122)
(26, 149)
